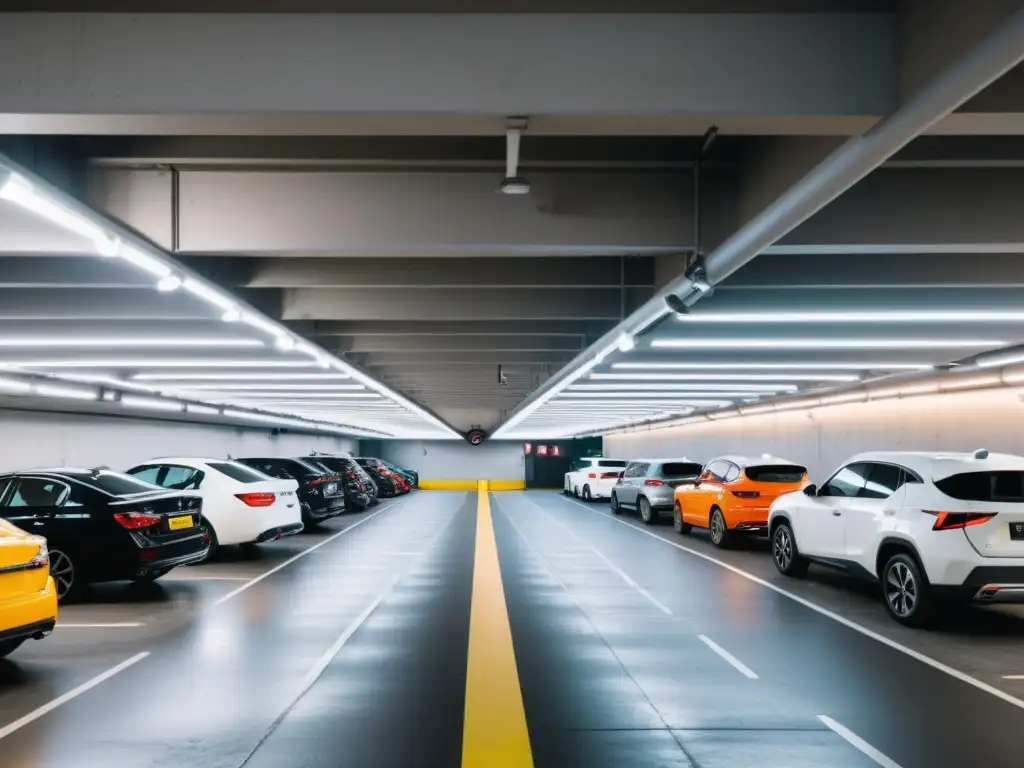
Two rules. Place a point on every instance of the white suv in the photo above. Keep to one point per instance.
(592, 477)
(928, 527)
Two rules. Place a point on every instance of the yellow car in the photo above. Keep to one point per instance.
(28, 597)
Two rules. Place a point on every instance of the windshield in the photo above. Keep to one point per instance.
(239, 472)
(611, 463)
(984, 486)
(114, 483)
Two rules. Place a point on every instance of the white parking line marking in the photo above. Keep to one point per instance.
(303, 553)
(206, 578)
(35, 714)
(739, 665)
(1013, 677)
(859, 743)
(100, 625)
(934, 663)
(618, 571)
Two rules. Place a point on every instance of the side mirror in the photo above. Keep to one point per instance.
(621, 475)
(810, 490)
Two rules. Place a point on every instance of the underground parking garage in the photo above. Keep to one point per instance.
(541, 387)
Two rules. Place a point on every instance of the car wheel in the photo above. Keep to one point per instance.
(720, 533)
(616, 509)
(576, 491)
(677, 521)
(647, 513)
(8, 647)
(787, 558)
(906, 592)
(214, 542)
(586, 493)
(65, 576)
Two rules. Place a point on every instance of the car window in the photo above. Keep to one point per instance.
(146, 474)
(614, 463)
(882, 481)
(113, 483)
(848, 481)
(640, 469)
(1007, 486)
(718, 469)
(680, 469)
(181, 478)
(239, 472)
(731, 473)
(776, 473)
(37, 492)
(3, 486)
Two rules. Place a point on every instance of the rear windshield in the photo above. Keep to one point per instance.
(611, 463)
(113, 483)
(680, 469)
(984, 486)
(776, 473)
(239, 472)
(312, 466)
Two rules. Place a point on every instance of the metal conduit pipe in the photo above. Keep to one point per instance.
(998, 53)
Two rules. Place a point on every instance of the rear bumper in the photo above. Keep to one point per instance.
(273, 534)
(166, 563)
(327, 509)
(986, 584)
(29, 615)
(748, 519)
(599, 489)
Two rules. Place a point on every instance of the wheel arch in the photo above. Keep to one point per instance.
(891, 545)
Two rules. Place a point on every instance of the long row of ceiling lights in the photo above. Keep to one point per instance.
(18, 190)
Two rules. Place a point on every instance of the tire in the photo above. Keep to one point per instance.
(7, 647)
(647, 513)
(721, 536)
(586, 493)
(787, 558)
(66, 576)
(616, 509)
(576, 492)
(683, 529)
(906, 592)
(214, 542)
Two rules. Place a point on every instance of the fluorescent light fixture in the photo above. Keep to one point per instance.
(151, 403)
(14, 387)
(999, 359)
(248, 376)
(202, 410)
(873, 316)
(665, 377)
(262, 324)
(71, 393)
(626, 342)
(311, 388)
(666, 403)
(209, 294)
(284, 343)
(670, 387)
(705, 343)
(148, 342)
(833, 366)
(184, 362)
(168, 284)
(665, 396)
(271, 394)
(143, 261)
(107, 246)
(19, 191)
(231, 316)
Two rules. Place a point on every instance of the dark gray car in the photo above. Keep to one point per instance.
(648, 486)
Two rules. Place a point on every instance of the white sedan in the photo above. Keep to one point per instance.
(240, 505)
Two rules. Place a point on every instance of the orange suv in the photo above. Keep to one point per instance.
(733, 494)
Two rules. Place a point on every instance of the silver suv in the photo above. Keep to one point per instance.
(648, 486)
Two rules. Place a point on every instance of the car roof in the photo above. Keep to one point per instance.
(662, 460)
(940, 464)
(753, 461)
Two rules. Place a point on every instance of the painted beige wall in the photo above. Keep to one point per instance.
(823, 438)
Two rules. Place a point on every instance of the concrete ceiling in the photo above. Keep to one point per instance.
(350, 190)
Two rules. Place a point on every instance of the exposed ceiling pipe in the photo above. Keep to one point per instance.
(513, 183)
(998, 53)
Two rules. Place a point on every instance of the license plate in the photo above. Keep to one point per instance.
(331, 489)
(1017, 531)
(178, 523)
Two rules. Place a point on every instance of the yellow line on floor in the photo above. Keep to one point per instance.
(494, 731)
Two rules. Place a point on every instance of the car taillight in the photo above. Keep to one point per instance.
(135, 520)
(41, 559)
(746, 494)
(351, 475)
(592, 476)
(256, 499)
(653, 481)
(951, 521)
(321, 480)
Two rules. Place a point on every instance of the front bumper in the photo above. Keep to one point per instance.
(29, 615)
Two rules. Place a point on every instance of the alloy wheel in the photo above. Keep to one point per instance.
(63, 572)
(901, 589)
(717, 526)
(783, 548)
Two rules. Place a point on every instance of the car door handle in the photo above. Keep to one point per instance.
(837, 514)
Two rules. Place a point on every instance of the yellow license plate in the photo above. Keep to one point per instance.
(177, 523)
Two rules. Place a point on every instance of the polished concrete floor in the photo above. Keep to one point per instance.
(633, 647)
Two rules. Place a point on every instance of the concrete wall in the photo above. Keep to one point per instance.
(458, 460)
(51, 439)
(825, 437)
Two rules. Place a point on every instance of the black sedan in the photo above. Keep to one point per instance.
(104, 526)
(321, 495)
(357, 491)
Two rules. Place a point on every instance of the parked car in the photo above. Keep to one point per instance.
(388, 483)
(358, 495)
(648, 486)
(104, 526)
(240, 505)
(411, 477)
(592, 477)
(28, 595)
(929, 528)
(320, 493)
(733, 494)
